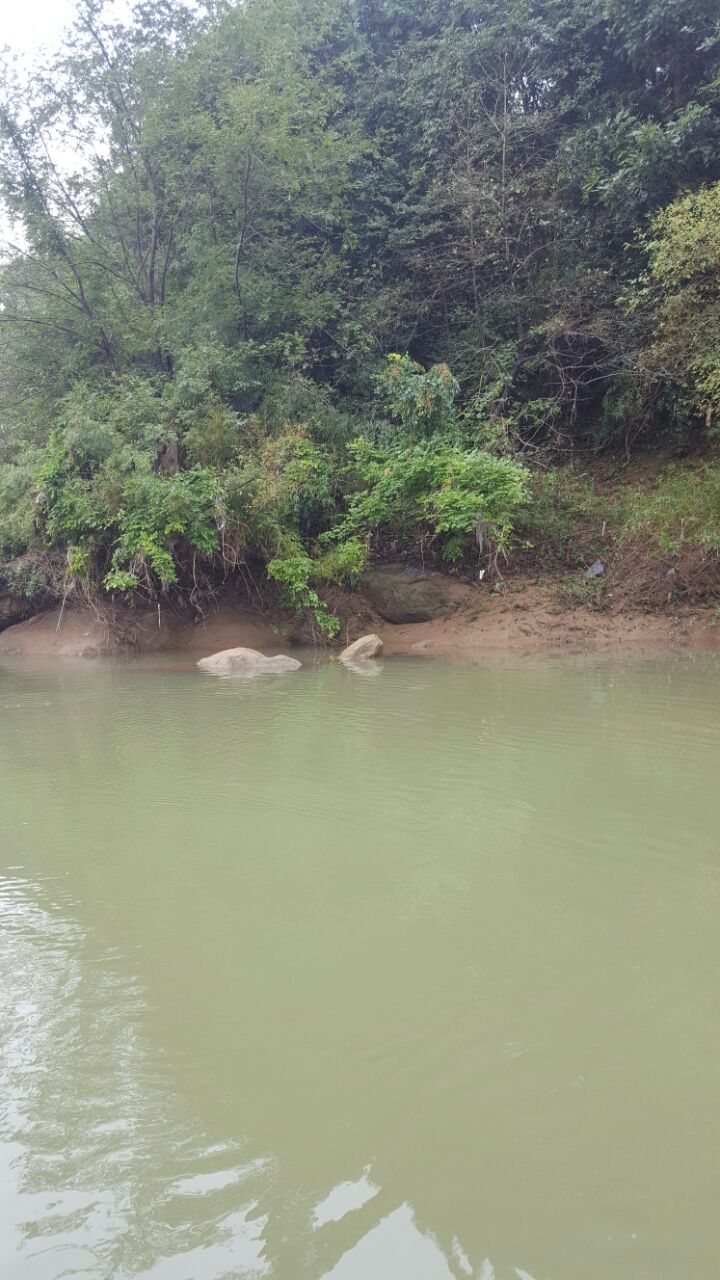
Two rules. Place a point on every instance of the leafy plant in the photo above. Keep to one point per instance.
(423, 402)
(684, 256)
(454, 492)
(17, 504)
(341, 564)
(159, 511)
(293, 573)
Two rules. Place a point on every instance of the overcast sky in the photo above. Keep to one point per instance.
(26, 27)
(26, 24)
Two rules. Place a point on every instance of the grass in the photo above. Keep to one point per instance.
(682, 509)
(660, 540)
(567, 521)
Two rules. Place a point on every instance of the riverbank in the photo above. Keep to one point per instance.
(529, 615)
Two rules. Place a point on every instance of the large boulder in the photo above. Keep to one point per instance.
(247, 662)
(363, 649)
(399, 595)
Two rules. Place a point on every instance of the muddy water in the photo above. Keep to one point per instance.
(397, 978)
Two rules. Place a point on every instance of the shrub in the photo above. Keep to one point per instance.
(423, 403)
(158, 510)
(436, 484)
(341, 564)
(293, 573)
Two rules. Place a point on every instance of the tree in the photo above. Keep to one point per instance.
(684, 280)
(224, 219)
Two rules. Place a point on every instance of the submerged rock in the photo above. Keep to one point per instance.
(363, 649)
(247, 662)
(399, 596)
(367, 670)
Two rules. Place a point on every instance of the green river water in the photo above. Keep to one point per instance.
(328, 977)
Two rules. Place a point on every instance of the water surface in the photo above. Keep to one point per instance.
(408, 977)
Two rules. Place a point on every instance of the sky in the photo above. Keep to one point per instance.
(26, 28)
(27, 24)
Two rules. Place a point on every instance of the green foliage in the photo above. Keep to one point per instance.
(244, 218)
(260, 223)
(17, 504)
(569, 522)
(293, 572)
(436, 483)
(566, 520)
(683, 508)
(34, 576)
(282, 485)
(101, 499)
(684, 257)
(421, 402)
(160, 512)
(214, 439)
(342, 564)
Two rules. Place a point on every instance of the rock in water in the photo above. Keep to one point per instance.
(364, 668)
(247, 662)
(401, 597)
(363, 649)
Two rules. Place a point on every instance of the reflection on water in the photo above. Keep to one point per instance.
(404, 979)
(101, 1167)
(343, 1198)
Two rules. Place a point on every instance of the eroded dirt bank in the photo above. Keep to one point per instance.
(527, 617)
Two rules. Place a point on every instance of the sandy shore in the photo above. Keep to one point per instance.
(527, 617)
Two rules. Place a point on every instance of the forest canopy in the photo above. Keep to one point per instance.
(286, 281)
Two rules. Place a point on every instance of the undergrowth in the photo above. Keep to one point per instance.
(101, 511)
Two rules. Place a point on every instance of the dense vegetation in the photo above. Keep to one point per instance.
(223, 223)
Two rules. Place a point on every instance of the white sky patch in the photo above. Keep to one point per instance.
(31, 28)
(32, 24)
(30, 32)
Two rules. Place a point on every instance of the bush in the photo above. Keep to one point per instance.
(341, 565)
(454, 493)
(684, 282)
(423, 403)
(293, 573)
(158, 510)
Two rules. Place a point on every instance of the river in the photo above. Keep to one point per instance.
(409, 976)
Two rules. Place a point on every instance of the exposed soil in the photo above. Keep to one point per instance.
(79, 633)
(528, 616)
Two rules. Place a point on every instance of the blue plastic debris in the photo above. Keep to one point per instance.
(596, 568)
